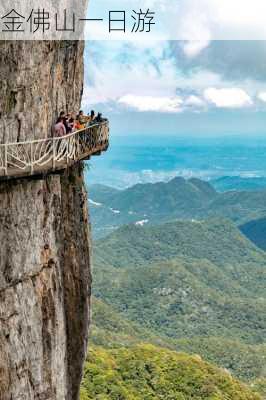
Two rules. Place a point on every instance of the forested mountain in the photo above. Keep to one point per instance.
(176, 199)
(195, 286)
(111, 329)
(217, 240)
(177, 273)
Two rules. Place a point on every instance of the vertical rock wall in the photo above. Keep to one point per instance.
(37, 81)
(44, 236)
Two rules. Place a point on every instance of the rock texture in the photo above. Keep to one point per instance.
(37, 81)
(44, 235)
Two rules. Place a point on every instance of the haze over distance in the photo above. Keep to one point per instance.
(178, 108)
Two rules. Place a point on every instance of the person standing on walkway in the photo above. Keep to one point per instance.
(59, 128)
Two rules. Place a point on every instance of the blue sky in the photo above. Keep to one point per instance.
(196, 88)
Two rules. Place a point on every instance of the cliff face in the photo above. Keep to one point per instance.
(44, 236)
(38, 80)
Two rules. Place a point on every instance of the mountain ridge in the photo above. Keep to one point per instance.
(156, 203)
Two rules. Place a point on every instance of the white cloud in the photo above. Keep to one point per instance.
(218, 20)
(262, 96)
(198, 20)
(117, 69)
(192, 48)
(228, 97)
(194, 101)
(148, 78)
(152, 103)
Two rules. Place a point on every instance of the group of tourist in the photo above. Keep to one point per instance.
(68, 123)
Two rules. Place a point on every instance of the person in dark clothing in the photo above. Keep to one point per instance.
(91, 118)
(99, 118)
(92, 115)
(61, 117)
(69, 123)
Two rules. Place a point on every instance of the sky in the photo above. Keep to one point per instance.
(186, 87)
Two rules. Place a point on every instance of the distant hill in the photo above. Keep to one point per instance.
(101, 193)
(159, 197)
(216, 240)
(148, 372)
(227, 183)
(239, 206)
(147, 203)
(163, 202)
(256, 232)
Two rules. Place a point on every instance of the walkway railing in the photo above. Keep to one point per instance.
(51, 154)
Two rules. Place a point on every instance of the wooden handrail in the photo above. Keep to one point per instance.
(32, 157)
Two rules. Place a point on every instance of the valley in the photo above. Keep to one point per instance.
(185, 276)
